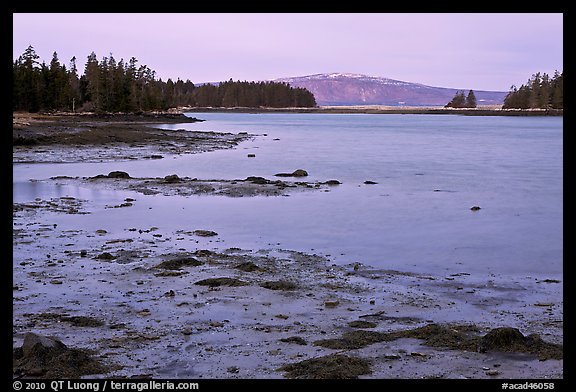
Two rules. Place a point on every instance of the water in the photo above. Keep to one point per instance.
(430, 170)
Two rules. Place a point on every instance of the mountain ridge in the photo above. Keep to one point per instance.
(342, 89)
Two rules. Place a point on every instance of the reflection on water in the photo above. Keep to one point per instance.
(25, 191)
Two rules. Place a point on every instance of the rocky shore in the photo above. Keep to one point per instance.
(99, 138)
(146, 301)
(152, 303)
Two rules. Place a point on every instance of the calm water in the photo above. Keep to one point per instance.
(430, 170)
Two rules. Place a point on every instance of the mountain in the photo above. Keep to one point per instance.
(341, 89)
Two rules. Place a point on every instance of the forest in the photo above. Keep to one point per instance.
(109, 85)
(540, 92)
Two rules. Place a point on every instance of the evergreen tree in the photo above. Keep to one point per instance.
(112, 86)
(540, 92)
(470, 100)
(459, 101)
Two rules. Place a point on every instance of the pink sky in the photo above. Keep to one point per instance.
(479, 51)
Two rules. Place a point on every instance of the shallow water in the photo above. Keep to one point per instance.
(430, 170)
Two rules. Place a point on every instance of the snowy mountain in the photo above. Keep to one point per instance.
(356, 89)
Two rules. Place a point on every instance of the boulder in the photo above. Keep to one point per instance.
(172, 178)
(118, 174)
(295, 173)
(34, 343)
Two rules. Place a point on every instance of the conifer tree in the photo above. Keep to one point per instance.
(459, 101)
(470, 100)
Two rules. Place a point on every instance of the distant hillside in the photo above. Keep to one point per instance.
(354, 89)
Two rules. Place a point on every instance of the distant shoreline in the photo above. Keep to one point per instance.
(376, 109)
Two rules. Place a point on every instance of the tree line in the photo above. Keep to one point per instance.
(462, 101)
(118, 86)
(540, 92)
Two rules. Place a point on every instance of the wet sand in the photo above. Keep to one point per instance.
(154, 302)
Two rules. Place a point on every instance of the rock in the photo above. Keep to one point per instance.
(247, 266)
(176, 264)
(49, 358)
(34, 343)
(101, 231)
(118, 174)
(83, 253)
(502, 339)
(279, 285)
(361, 324)
(257, 180)
(204, 253)
(300, 173)
(331, 304)
(105, 256)
(251, 155)
(333, 366)
(295, 173)
(215, 282)
(205, 233)
(172, 178)
(475, 208)
(295, 340)
(368, 182)
(82, 321)
(233, 369)
(332, 182)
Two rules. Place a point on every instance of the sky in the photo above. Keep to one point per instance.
(480, 51)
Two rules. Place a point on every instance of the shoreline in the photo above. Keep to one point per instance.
(169, 302)
(379, 109)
